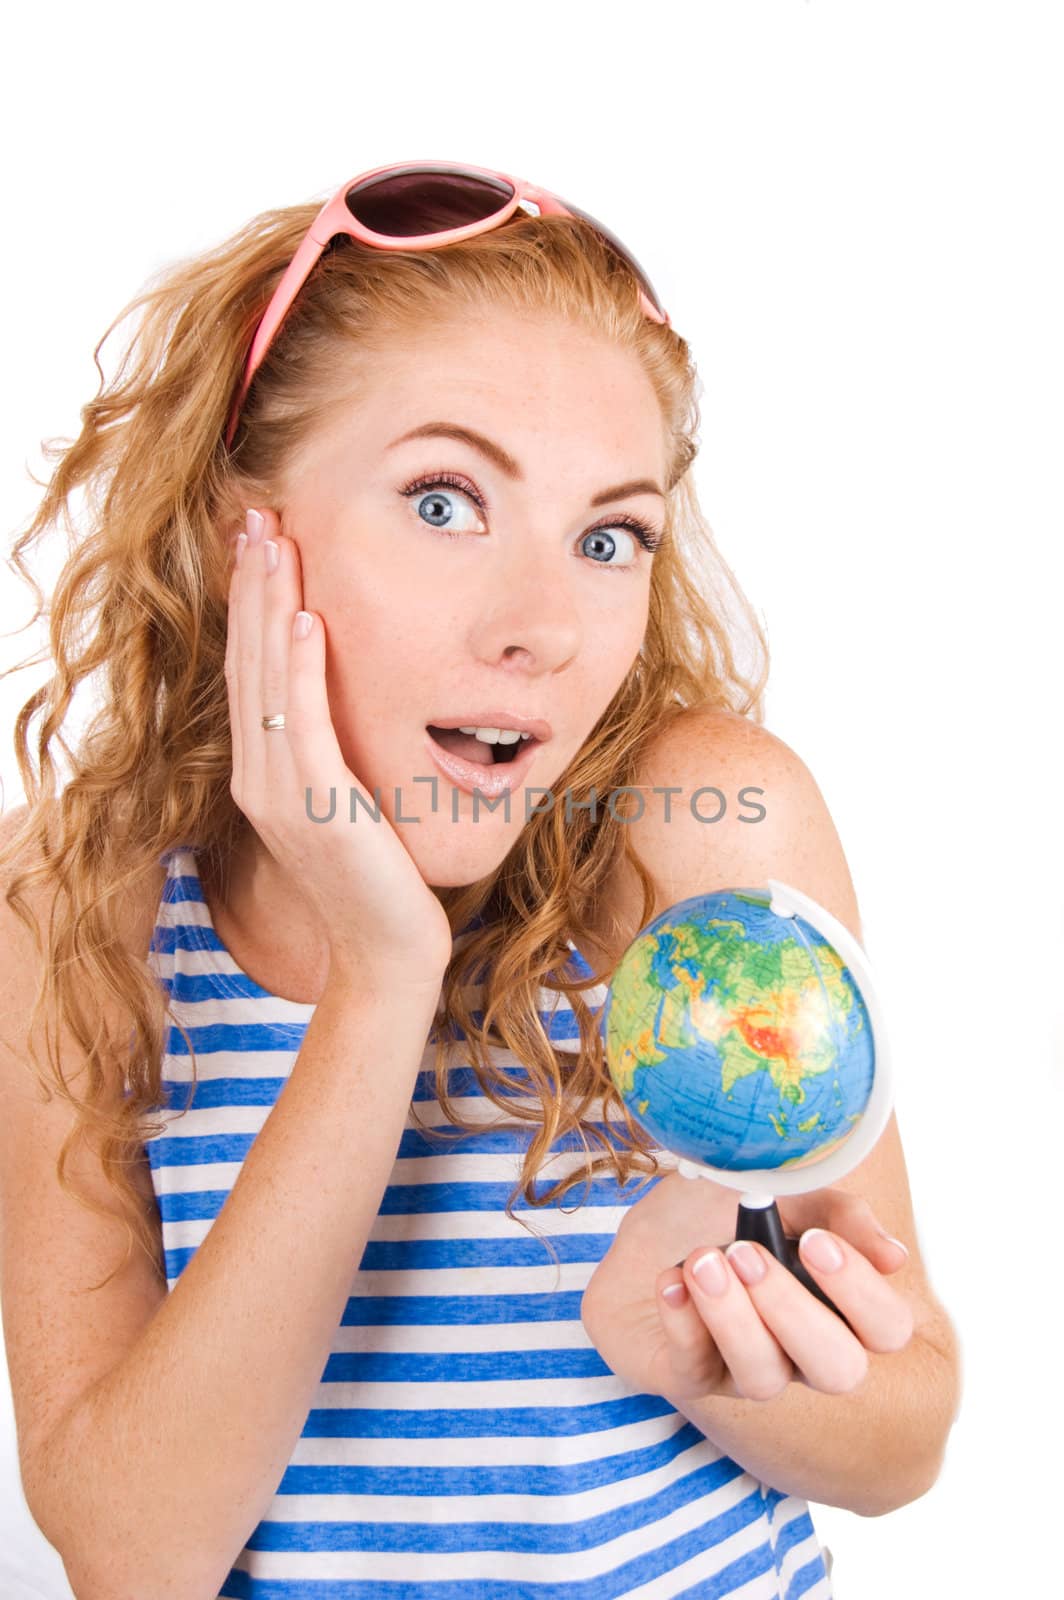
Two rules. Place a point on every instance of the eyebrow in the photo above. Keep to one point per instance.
(506, 464)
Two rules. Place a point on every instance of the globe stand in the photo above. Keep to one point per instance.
(759, 1219)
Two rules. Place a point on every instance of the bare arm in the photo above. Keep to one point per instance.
(872, 1450)
(152, 1482)
(871, 1433)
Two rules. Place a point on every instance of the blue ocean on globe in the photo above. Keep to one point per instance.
(738, 1037)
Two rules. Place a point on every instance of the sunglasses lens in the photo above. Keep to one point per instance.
(420, 200)
(622, 250)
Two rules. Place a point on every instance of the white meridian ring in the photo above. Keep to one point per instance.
(271, 723)
(765, 1182)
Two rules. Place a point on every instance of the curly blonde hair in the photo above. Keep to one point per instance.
(142, 601)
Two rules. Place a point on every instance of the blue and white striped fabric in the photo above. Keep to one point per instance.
(466, 1441)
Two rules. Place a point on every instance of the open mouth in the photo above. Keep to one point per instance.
(479, 751)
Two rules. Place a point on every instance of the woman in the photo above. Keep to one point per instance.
(458, 448)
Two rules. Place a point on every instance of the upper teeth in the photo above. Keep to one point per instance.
(496, 735)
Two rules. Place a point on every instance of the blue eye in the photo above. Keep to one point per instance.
(604, 536)
(439, 514)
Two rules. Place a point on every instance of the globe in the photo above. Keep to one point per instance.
(742, 1032)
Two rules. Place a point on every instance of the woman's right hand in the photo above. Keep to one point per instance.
(379, 915)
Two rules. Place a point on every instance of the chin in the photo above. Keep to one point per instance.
(458, 854)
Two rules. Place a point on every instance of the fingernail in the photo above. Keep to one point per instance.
(746, 1261)
(889, 1237)
(820, 1250)
(674, 1293)
(270, 555)
(710, 1273)
(255, 524)
(241, 541)
(302, 623)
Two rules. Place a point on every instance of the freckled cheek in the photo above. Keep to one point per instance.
(379, 634)
(375, 585)
(621, 643)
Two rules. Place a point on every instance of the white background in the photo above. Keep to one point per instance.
(853, 213)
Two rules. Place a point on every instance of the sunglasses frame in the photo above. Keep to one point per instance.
(336, 218)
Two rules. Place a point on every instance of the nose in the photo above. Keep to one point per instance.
(529, 615)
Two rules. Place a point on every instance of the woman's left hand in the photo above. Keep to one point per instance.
(763, 1330)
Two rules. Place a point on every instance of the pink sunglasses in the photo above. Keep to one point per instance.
(380, 207)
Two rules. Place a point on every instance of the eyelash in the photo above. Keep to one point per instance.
(641, 531)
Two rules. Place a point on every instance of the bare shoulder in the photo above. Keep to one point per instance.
(726, 804)
(21, 968)
(136, 912)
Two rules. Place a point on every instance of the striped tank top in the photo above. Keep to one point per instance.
(466, 1441)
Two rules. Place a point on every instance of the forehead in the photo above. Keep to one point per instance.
(539, 385)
